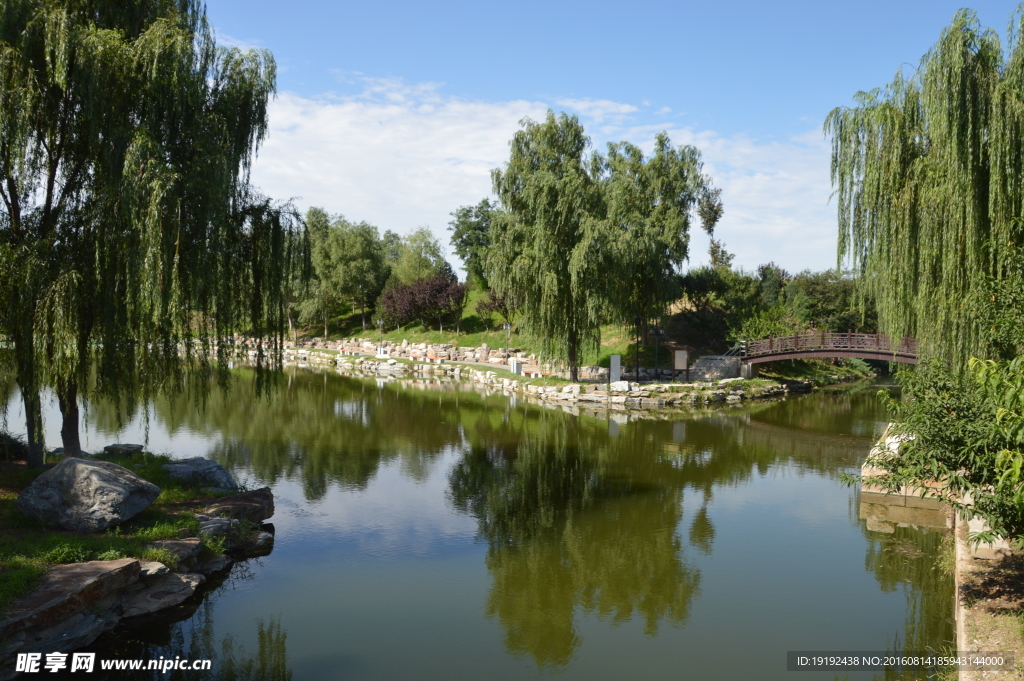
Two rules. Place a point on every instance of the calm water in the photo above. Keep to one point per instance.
(434, 533)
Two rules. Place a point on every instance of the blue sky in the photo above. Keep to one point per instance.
(395, 112)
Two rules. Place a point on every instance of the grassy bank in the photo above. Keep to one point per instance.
(28, 549)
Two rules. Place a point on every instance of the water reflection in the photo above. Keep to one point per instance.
(187, 633)
(583, 518)
(573, 529)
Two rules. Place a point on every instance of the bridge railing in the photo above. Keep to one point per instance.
(830, 340)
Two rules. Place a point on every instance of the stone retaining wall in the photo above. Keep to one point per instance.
(618, 396)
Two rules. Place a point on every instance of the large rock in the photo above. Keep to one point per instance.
(200, 471)
(86, 495)
(257, 506)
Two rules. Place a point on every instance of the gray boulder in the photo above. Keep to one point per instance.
(200, 471)
(86, 496)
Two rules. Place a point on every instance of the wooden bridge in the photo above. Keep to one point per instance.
(823, 344)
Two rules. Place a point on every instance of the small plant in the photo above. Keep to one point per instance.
(214, 545)
(164, 556)
(67, 553)
(111, 554)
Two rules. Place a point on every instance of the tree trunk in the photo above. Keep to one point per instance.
(574, 365)
(67, 400)
(24, 353)
(291, 326)
(34, 426)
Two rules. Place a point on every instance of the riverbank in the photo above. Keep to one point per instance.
(553, 391)
(61, 589)
(989, 602)
(988, 578)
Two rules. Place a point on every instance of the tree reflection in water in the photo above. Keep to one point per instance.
(572, 528)
(192, 638)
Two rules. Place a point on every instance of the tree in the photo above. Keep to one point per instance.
(350, 263)
(648, 203)
(471, 238)
(420, 257)
(928, 176)
(128, 224)
(719, 256)
(361, 265)
(546, 240)
(507, 306)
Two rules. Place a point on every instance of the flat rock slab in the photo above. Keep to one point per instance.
(86, 496)
(169, 591)
(257, 506)
(67, 590)
(200, 471)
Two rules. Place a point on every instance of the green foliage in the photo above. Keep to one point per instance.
(18, 576)
(774, 321)
(420, 257)
(12, 448)
(827, 301)
(647, 204)
(547, 238)
(928, 176)
(127, 222)
(964, 432)
(471, 239)
(67, 553)
(349, 263)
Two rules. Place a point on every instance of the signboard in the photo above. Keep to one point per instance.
(615, 374)
(682, 360)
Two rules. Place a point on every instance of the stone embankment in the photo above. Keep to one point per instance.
(620, 395)
(987, 575)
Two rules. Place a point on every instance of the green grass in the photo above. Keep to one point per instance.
(28, 549)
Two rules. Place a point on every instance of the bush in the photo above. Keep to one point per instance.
(12, 448)
(966, 433)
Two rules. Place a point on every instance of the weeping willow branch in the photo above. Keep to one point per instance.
(928, 178)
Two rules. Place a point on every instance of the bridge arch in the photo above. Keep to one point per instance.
(828, 344)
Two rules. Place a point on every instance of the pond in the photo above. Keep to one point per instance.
(429, 531)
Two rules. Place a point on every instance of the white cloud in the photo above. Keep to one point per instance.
(400, 156)
(597, 109)
(226, 40)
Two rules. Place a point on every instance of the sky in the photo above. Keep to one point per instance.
(396, 112)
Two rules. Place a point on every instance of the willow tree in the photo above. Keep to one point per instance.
(128, 225)
(930, 191)
(649, 203)
(546, 242)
